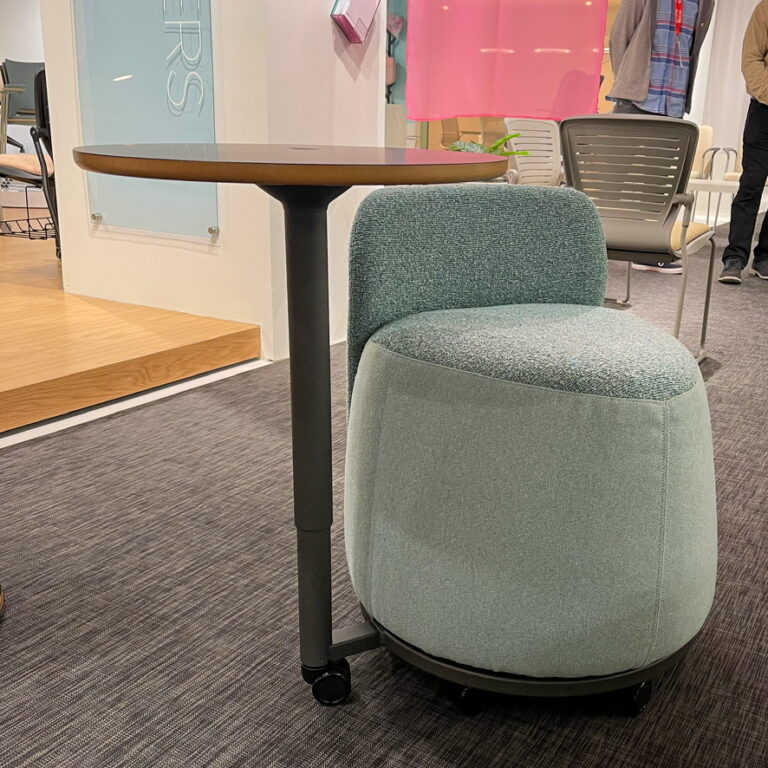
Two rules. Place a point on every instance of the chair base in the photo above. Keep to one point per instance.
(496, 682)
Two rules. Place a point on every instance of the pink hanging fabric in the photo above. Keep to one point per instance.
(507, 58)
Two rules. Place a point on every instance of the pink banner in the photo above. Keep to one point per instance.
(507, 58)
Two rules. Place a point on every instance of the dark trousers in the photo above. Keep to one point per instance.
(627, 107)
(746, 204)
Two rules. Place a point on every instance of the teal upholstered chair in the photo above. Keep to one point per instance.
(529, 483)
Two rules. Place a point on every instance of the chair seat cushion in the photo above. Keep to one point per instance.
(23, 163)
(589, 350)
(695, 231)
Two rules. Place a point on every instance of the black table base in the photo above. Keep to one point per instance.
(306, 247)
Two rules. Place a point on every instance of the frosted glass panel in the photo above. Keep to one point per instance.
(146, 75)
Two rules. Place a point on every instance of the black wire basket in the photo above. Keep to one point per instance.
(30, 227)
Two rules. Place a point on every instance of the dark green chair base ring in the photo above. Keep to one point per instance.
(514, 685)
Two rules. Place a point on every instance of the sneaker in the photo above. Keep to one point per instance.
(731, 272)
(760, 269)
(674, 268)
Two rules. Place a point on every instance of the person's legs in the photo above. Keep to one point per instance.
(761, 251)
(746, 204)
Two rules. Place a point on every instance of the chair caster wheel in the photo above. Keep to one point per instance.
(470, 702)
(333, 686)
(467, 701)
(639, 697)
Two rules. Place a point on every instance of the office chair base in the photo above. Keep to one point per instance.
(635, 680)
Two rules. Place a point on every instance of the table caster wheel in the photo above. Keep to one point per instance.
(639, 697)
(333, 686)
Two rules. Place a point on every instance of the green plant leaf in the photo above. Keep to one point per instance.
(503, 140)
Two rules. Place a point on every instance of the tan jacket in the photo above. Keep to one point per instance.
(754, 59)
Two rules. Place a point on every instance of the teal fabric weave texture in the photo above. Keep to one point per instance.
(528, 530)
(576, 349)
(529, 483)
(417, 249)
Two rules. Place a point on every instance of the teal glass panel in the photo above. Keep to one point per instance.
(146, 75)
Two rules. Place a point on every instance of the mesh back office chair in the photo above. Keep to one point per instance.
(18, 98)
(636, 169)
(38, 170)
(543, 165)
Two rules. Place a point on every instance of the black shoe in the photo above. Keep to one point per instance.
(674, 268)
(731, 272)
(760, 269)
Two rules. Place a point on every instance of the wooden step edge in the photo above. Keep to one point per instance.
(30, 404)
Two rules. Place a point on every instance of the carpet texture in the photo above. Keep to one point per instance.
(148, 561)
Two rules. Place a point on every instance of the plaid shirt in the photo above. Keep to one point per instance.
(671, 60)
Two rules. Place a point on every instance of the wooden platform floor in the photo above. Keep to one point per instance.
(60, 353)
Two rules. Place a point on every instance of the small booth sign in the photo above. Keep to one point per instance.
(355, 17)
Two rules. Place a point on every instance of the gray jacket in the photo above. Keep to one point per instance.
(632, 42)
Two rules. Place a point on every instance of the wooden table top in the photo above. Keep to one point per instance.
(284, 164)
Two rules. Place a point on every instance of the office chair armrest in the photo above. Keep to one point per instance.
(708, 166)
(685, 199)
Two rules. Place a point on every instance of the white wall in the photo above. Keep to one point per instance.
(21, 38)
(307, 86)
(726, 100)
(21, 34)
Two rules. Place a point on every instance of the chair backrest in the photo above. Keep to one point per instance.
(542, 166)
(702, 162)
(21, 73)
(42, 113)
(422, 248)
(450, 132)
(631, 167)
(491, 130)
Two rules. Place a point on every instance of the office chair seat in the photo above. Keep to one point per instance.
(564, 347)
(696, 231)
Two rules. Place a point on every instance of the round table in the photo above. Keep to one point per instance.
(305, 179)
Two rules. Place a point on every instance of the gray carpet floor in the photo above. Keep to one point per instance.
(148, 560)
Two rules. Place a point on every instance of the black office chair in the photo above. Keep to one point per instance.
(19, 99)
(41, 173)
(41, 138)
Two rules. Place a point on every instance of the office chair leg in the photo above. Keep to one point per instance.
(681, 300)
(625, 301)
(705, 320)
(629, 284)
(717, 210)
